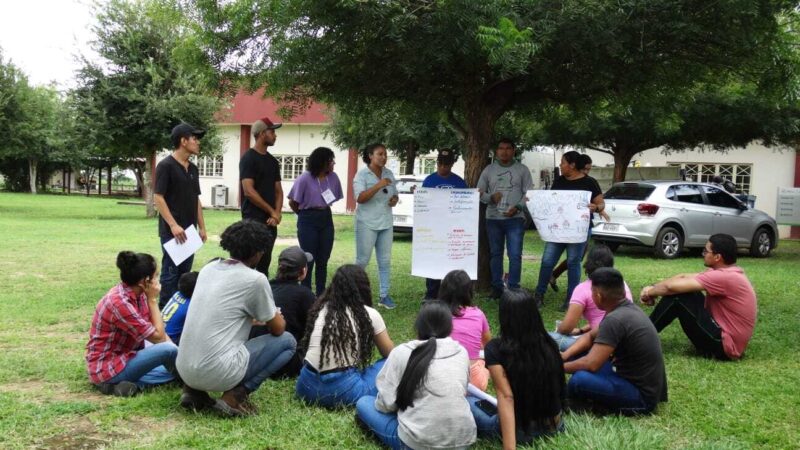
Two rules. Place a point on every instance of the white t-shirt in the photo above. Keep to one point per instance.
(212, 355)
(314, 352)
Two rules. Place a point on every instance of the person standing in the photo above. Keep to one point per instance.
(720, 323)
(502, 185)
(310, 198)
(260, 176)
(443, 178)
(375, 192)
(176, 198)
(572, 179)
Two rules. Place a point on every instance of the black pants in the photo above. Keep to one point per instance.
(696, 321)
(315, 233)
(432, 288)
(263, 264)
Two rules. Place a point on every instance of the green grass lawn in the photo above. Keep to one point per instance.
(57, 259)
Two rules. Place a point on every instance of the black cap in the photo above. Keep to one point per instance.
(183, 130)
(446, 156)
(294, 258)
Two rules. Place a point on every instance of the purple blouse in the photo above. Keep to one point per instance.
(307, 190)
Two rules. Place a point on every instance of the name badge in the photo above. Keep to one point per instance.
(328, 196)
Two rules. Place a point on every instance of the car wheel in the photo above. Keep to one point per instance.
(669, 243)
(762, 244)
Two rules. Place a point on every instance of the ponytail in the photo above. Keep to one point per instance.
(433, 321)
(415, 373)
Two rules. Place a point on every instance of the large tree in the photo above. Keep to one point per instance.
(145, 83)
(476, 60)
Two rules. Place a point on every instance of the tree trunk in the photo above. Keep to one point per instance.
(138, 171)
(99, 180)
(32, 166)
(69, 180)
(149, 182)
(622, 157)
(88, 179)
(108, 184)
(63, 180)
(411, 156)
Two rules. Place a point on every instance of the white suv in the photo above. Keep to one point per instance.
(403, 212)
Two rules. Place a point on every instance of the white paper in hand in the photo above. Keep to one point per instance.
(180, 252)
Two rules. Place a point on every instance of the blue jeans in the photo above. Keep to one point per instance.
(342, 388)
(562, 340)
(508, 233)
(381, 241)
(268, 354)
(151, 366)
(382, 424)
(170, 274)
(489, 425)
(552, 252)
(608, 389)
(315, 233)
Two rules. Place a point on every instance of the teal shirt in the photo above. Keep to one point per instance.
(376, 214)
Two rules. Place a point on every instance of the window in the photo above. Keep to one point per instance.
(629, 191)
(209, 166)
(291, 166)
(740, 174)
(427, 166)
(686, 193)
(718, 197)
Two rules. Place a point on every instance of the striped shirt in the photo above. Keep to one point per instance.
(120, 325)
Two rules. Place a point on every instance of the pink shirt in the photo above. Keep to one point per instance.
(731, 301)
(468, 329)
(582, 295)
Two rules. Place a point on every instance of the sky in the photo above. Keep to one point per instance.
(43, 38)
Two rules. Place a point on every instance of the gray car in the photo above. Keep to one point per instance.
(672, 215)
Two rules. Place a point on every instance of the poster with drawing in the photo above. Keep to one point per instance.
(445, 232)
(560, 216)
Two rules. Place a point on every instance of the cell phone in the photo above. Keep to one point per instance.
(487, 407)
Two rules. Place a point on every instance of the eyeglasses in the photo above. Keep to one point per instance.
(707, 251)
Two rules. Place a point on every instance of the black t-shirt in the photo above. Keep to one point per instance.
(265, 171)
(180, 188)
(493, 356)
(637, 350)
(294, 300)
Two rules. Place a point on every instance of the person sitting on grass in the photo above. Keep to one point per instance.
(527, 373)
(124, 318)
(634, 381)
(215, 352)
(719, 324)
(470, 327)
(421, 399)
(294, 299)
(342, 330)
(581, 303)
(174, 313)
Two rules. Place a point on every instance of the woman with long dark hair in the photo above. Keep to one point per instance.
(421, 399)
(311, 198)
(572, 179)
(341, 331)
(117, 361)
(527, 372)
(470, 327)
(376, 195)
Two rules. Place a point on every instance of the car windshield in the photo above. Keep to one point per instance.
(408, 186)
(629, 191)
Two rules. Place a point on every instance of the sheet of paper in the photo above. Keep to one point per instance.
(179, 252)
(560, 216)
(474, 391)
(445, 232)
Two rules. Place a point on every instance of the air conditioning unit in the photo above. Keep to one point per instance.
(219, 196)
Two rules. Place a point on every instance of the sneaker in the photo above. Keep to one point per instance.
(387, 302)
(553, 284)
(121, 389)
(538, 299)
(195, 400)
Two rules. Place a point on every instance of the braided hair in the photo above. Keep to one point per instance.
(344, 302)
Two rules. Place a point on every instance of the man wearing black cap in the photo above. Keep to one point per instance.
(294, 301)
(176, 198)
(260, 177)
(443, 178)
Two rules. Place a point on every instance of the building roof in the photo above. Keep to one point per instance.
(247, 108)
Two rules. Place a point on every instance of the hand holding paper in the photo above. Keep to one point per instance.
(179, 252)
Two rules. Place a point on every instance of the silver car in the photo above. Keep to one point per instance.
(672, 215)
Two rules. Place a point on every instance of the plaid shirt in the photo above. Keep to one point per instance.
(120, 324)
